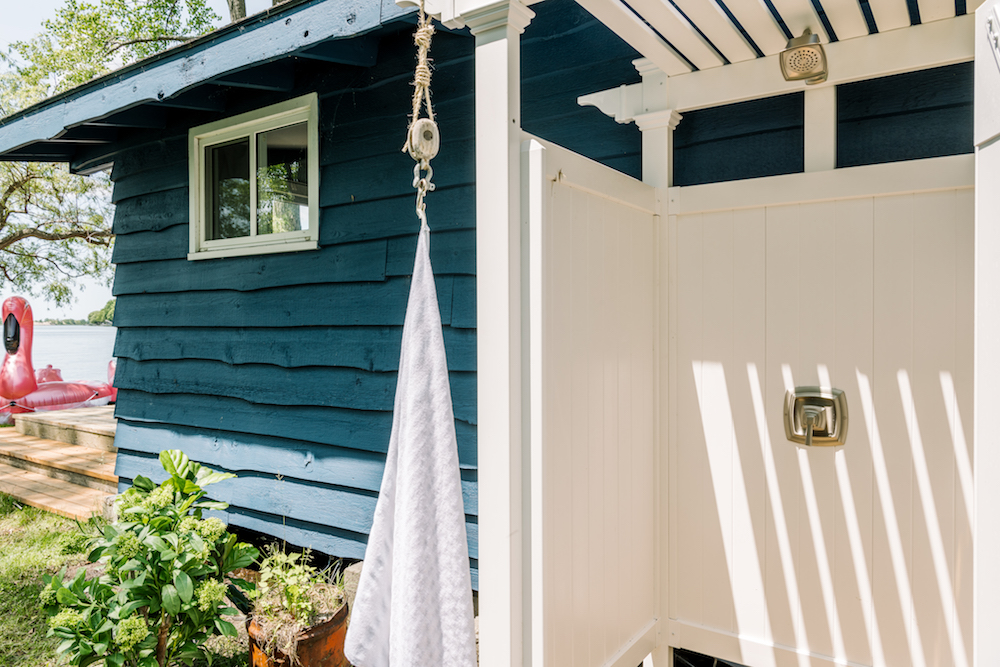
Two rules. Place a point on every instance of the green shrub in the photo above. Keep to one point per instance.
(163, 592)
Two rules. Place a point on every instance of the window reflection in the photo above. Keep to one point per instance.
(229, 184)
(282, 180)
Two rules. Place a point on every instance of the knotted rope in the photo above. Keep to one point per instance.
(422, 73)
(422, 139)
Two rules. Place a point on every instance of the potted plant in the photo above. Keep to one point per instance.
(299, 614)
(164, 588)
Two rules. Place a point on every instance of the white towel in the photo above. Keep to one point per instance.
(414, 601)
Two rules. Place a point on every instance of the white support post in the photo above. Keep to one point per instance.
(497, 28)
(658, 146)
(821, 129)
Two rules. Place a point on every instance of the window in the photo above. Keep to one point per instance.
(255, 182)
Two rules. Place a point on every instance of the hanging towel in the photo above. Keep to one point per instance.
(414, 601)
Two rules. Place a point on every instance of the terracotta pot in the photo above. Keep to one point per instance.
(319, 646)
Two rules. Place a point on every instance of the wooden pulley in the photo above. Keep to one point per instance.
(424, 140)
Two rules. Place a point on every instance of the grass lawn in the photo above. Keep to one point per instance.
(32, 542)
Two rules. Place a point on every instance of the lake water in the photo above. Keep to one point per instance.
(81, 353)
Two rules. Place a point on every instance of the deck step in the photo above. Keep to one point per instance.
(91, 468)
(51, 495)
(93, 428)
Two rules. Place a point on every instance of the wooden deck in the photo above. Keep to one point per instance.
(72, 475)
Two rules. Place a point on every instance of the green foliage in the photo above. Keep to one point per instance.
(55, 226)
(105, 315)
(163, 592)
(32, 542)
(88, 38)
(292, 596)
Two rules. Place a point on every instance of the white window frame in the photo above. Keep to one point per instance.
(301, 109)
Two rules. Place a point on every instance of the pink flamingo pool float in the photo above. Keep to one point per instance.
(22, 389)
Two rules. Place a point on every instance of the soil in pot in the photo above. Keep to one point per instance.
(322, 645)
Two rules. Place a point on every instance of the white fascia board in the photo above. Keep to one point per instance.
(169, 74)
(866, 57)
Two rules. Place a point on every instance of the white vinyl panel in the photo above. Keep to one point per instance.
(750, 485)
(890, 14)
(934, 324)
(799, 15)
(935, 10)
(642, 300)
(846, 18)
(717, 421)
(669, 22)
(816, 472)
(785, 498)
(594, 320)
(892, 574)
(959, 396)
(760, 25)
(557, 267)
(852, 575)
(580, 460)
(613, 446)
(692, 482)
(714, 23)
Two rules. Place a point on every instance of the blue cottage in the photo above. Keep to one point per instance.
(262, 338)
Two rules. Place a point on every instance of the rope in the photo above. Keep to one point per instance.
(422, 73)
(421, 97)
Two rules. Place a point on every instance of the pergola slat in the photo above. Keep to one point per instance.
(935, 10)
(627, 25)
(799, 15)
(760, 25)
(890, 14)
(714, 23)
(846, 17)
(669, 23)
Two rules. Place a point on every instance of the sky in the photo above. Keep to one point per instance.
(22, 20)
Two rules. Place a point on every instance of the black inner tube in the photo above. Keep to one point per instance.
(11, 334)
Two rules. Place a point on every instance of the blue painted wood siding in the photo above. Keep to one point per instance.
(282, 368)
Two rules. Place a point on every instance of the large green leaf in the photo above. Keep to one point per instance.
(175, 462)
(208, 476)
(225, 627)
(143, 483)
(115, 660)
(184, 586)
(65, 596)
(171, 600)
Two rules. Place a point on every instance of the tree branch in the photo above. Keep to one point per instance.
(115, 46)
(88, 235)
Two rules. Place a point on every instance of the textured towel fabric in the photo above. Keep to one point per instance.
(414, 602)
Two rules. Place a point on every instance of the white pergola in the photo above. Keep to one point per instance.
(696, 54)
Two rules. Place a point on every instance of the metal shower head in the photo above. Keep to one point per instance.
(804, 59)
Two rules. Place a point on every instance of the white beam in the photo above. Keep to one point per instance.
(930, 45)
(821, 129)
(497, 28)
(627, 25)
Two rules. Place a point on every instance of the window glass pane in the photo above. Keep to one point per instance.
(229, 184)
(282, 181)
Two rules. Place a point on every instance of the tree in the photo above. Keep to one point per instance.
(105, 315)
(55, 227)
